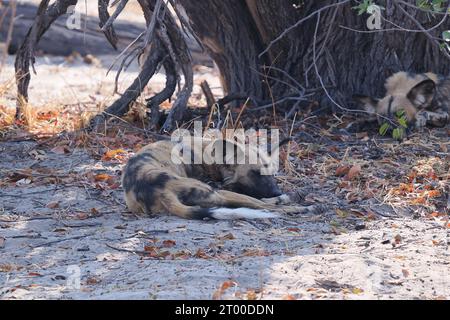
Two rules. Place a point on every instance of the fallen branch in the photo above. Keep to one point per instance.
(45, 244)
(210, 100)
(137, 252)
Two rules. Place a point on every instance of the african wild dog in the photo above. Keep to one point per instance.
(425, 99)
(155, 182)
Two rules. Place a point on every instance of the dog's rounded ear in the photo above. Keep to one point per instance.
(422, 95)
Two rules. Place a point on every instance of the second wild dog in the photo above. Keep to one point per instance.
(424, 98)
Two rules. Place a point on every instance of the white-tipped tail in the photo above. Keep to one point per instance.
(241, 213)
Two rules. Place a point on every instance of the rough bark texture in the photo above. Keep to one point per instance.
(349, 62)
(227, 31)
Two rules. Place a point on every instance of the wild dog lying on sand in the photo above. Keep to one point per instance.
(156, 181)
(425, 99)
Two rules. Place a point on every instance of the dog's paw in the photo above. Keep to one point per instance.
(316, 209)
(421, 120)
(299, 195)
(284, 199)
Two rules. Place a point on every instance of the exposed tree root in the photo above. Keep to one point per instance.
(164, 38)
(45, 16)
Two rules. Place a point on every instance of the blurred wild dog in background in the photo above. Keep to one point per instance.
(424, 99)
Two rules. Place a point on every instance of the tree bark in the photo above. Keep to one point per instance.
(320, 52)
(227, 31)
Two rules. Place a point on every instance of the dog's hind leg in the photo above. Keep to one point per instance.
(232, 200)
(237, 200)
(284, 199)
(173, 205)
(200, 209)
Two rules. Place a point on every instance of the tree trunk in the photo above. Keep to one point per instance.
(320, 52)
(227, 30)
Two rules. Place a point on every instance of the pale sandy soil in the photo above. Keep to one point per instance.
(60, 224)
(131, 11)
(303, 257)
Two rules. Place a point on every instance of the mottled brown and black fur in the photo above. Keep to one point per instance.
(155, 184)
(425, 99)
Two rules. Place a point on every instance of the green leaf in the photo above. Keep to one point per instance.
(444, 46)
(363, 7)
(423, 4)
(446, 35)
(438, 5)
(403, 122)
(431, 5)
(398, 133)
(401, 118)
(384, 128)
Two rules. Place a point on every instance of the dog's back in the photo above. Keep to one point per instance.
(424, 98)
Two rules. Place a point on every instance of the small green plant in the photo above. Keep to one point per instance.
(446, 37)
(431, 5)
(363, 7)
(398, 126)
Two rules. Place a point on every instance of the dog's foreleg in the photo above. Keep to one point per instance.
(235, 200)
(228, 198)
(283, 199)
(438, 118)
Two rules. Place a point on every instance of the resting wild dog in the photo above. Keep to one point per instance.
(156, 181)
(425, 99)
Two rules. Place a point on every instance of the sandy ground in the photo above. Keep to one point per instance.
(66, 234)
(132, 9)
